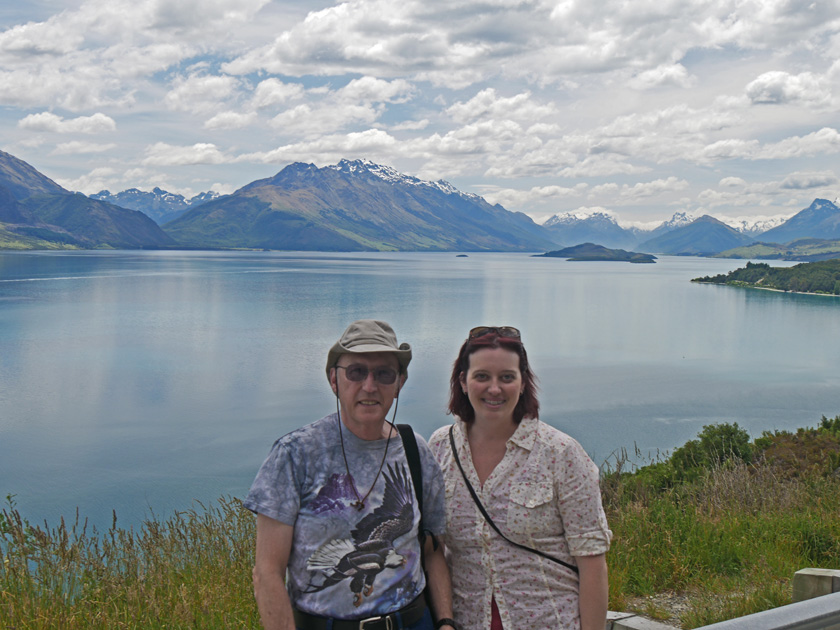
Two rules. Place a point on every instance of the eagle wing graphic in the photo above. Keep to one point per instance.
(371, 549)
(395, 517)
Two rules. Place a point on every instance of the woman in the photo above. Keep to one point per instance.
(537, 485)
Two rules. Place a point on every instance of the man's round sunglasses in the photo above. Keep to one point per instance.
(357, 373)
(502, 331)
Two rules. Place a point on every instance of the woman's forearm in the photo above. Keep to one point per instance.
(594, 592)
(440, 587)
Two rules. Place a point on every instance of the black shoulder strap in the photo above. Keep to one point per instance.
(487, 516)
(412, 454)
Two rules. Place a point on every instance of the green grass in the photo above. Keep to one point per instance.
(727, 539)
(731, 542)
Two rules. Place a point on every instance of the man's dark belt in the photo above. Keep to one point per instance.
(409, 615)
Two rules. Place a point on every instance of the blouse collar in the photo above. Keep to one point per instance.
(525, 435)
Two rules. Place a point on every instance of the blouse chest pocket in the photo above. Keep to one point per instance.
(532, 510)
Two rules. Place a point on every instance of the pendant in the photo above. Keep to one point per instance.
(359, 505)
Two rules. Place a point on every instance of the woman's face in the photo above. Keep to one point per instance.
(493, 383)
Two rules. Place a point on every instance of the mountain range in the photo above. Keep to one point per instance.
(355, 205)
(35, 212)
(159, 205)
(597, 227)
(686, 235)
(820, 220)
(702, 237)
(708, 236)
(603, 228)
(350, 206)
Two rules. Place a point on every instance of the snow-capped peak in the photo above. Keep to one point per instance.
(755, 224)
(578, 216)
(202, 197)
(679, 219)
(393, 176)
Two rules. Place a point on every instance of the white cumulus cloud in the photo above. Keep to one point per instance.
(200, 92)
(272, 92)
(780, 87)
(805, 181)
(163, 154)
(230, 120)
(72, 148)
(826, 141)
(673, 74)
(49, 122)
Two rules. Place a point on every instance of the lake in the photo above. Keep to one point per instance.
(141, 381)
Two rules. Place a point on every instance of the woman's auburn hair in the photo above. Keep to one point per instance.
(459, 403)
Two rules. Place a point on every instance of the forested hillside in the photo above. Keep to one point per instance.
(816, 277)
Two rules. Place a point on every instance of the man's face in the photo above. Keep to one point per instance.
(365, 404)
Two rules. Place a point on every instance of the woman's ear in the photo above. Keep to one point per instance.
(463, 380)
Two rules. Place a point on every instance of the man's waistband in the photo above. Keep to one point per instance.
(408, 615)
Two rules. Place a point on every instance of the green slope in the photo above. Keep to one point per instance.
(821, 277)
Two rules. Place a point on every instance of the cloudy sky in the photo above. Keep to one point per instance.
(642, 108)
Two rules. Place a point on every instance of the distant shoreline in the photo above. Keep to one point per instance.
(752, 286)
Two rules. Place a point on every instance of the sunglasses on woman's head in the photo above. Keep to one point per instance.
(502, 331)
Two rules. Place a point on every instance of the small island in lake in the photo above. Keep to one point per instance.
(591, 251)
(822, 278)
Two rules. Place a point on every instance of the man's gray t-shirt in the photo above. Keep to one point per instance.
(349, 563)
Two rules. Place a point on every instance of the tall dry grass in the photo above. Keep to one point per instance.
(189, 571)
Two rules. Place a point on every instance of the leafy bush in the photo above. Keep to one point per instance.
(719, 443)
(716, 445)
(808, 450)
(788, 454)
(831, 426)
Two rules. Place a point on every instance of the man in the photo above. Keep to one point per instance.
(336, 507)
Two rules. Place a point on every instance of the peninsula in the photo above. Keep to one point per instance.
(591, 251)
(821, 278)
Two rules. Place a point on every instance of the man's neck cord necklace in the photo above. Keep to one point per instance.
(359, 503)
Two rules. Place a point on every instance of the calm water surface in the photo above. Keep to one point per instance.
(140, 381)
